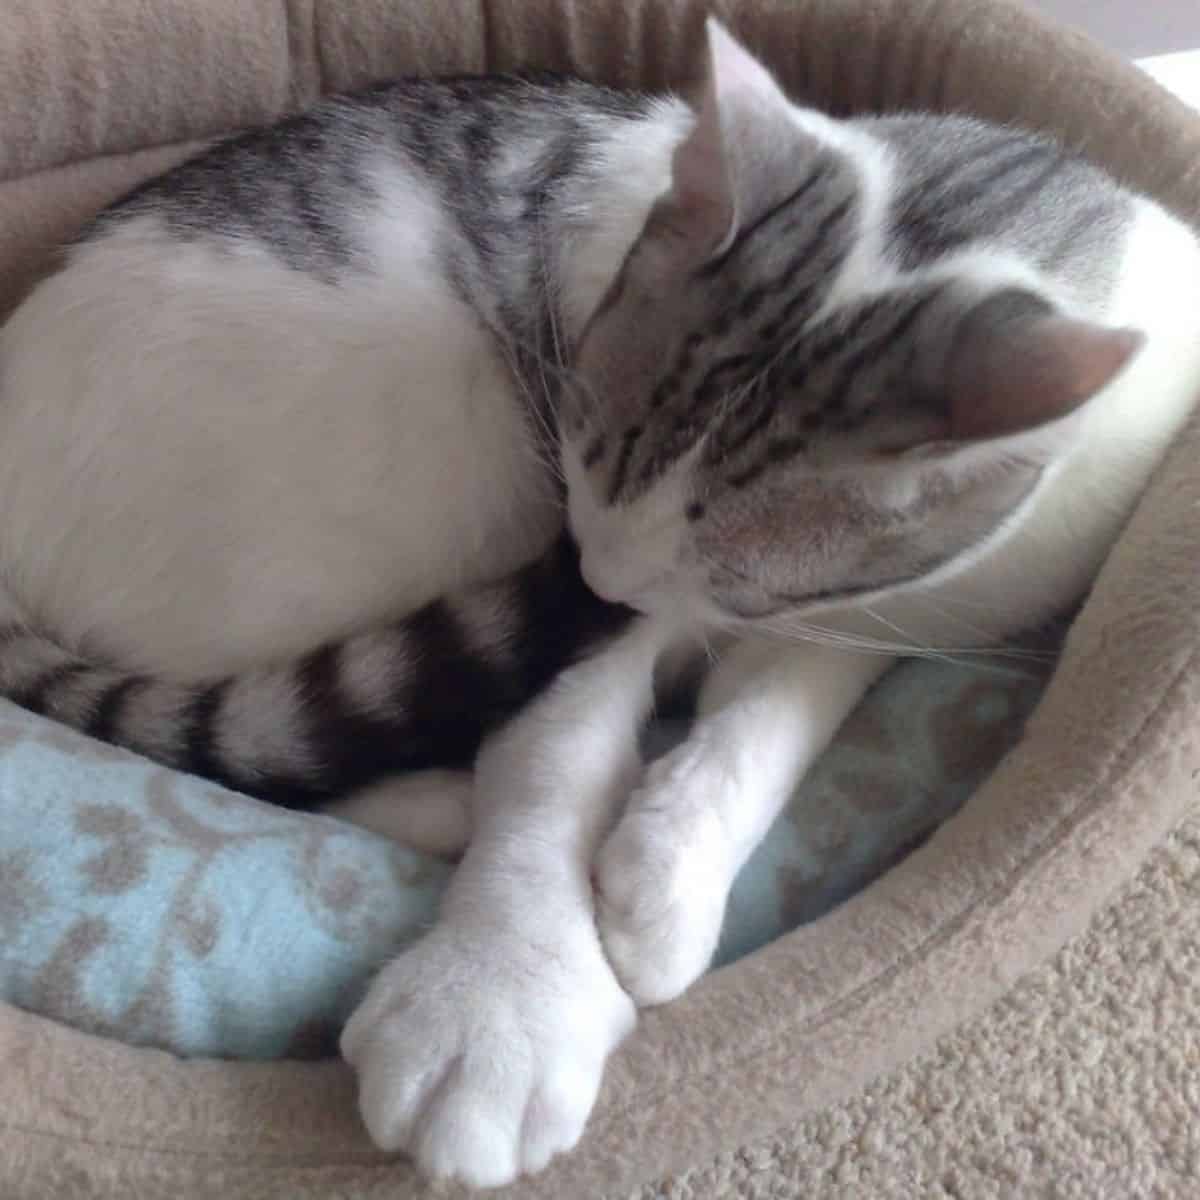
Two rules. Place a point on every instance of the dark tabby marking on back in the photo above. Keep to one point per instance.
(495, 151)
(455, 681)
(286, 186)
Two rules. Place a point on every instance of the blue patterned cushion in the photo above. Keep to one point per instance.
(156, 908)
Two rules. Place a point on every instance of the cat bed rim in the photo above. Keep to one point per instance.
(1105, 768)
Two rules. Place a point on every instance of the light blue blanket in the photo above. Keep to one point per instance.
(156, 908)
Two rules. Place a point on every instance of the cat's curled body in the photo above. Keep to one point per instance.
(892, 382)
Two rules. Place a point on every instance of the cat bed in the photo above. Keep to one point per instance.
(95, 97)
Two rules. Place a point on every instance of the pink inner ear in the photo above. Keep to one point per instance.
(700, 207)
(736, 103)
(1022, 374)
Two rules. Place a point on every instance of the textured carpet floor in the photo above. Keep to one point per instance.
(1084, 1082)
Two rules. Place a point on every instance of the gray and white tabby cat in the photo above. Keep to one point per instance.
(823, 390)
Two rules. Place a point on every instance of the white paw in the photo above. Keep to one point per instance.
(661, 880)
(480, 1054)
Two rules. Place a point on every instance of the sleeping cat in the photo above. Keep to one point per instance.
(819, 392)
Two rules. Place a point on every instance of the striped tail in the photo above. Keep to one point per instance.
(419, 692)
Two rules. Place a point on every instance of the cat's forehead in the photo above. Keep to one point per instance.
(797, 341)
(782, 245)
(761, 294)
(736, 405)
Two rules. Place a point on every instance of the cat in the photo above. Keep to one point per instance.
(820, 392)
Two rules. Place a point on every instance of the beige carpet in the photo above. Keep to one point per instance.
(1084, 1082)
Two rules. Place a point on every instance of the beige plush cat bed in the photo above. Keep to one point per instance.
(94, 97)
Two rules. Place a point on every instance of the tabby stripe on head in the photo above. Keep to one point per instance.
(744, 235)
(777, 452)
(842, 336)
(811, 266)
(960, 193)
(1014, 203)
(817, 278)
(1080, 225)
(926, 238)
(595, 452)
(871, 353)
(702, 396)
(805, 255)
(878, 348)
(761, 409)
(617, 482)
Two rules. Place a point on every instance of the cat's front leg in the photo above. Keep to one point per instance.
(663, 876)
(481, 1049)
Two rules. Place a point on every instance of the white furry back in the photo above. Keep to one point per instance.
(212, 459)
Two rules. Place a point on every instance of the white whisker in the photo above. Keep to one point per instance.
(979, 658)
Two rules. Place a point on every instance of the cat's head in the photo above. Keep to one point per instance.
(770, 419)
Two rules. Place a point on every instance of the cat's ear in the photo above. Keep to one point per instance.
(725, 166)
(1015, 364)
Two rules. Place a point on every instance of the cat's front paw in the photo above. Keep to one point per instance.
(480, 1054)
(661, 881)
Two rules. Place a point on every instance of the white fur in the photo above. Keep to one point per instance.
(664, 875)
(323, 457)
(481, 1050)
